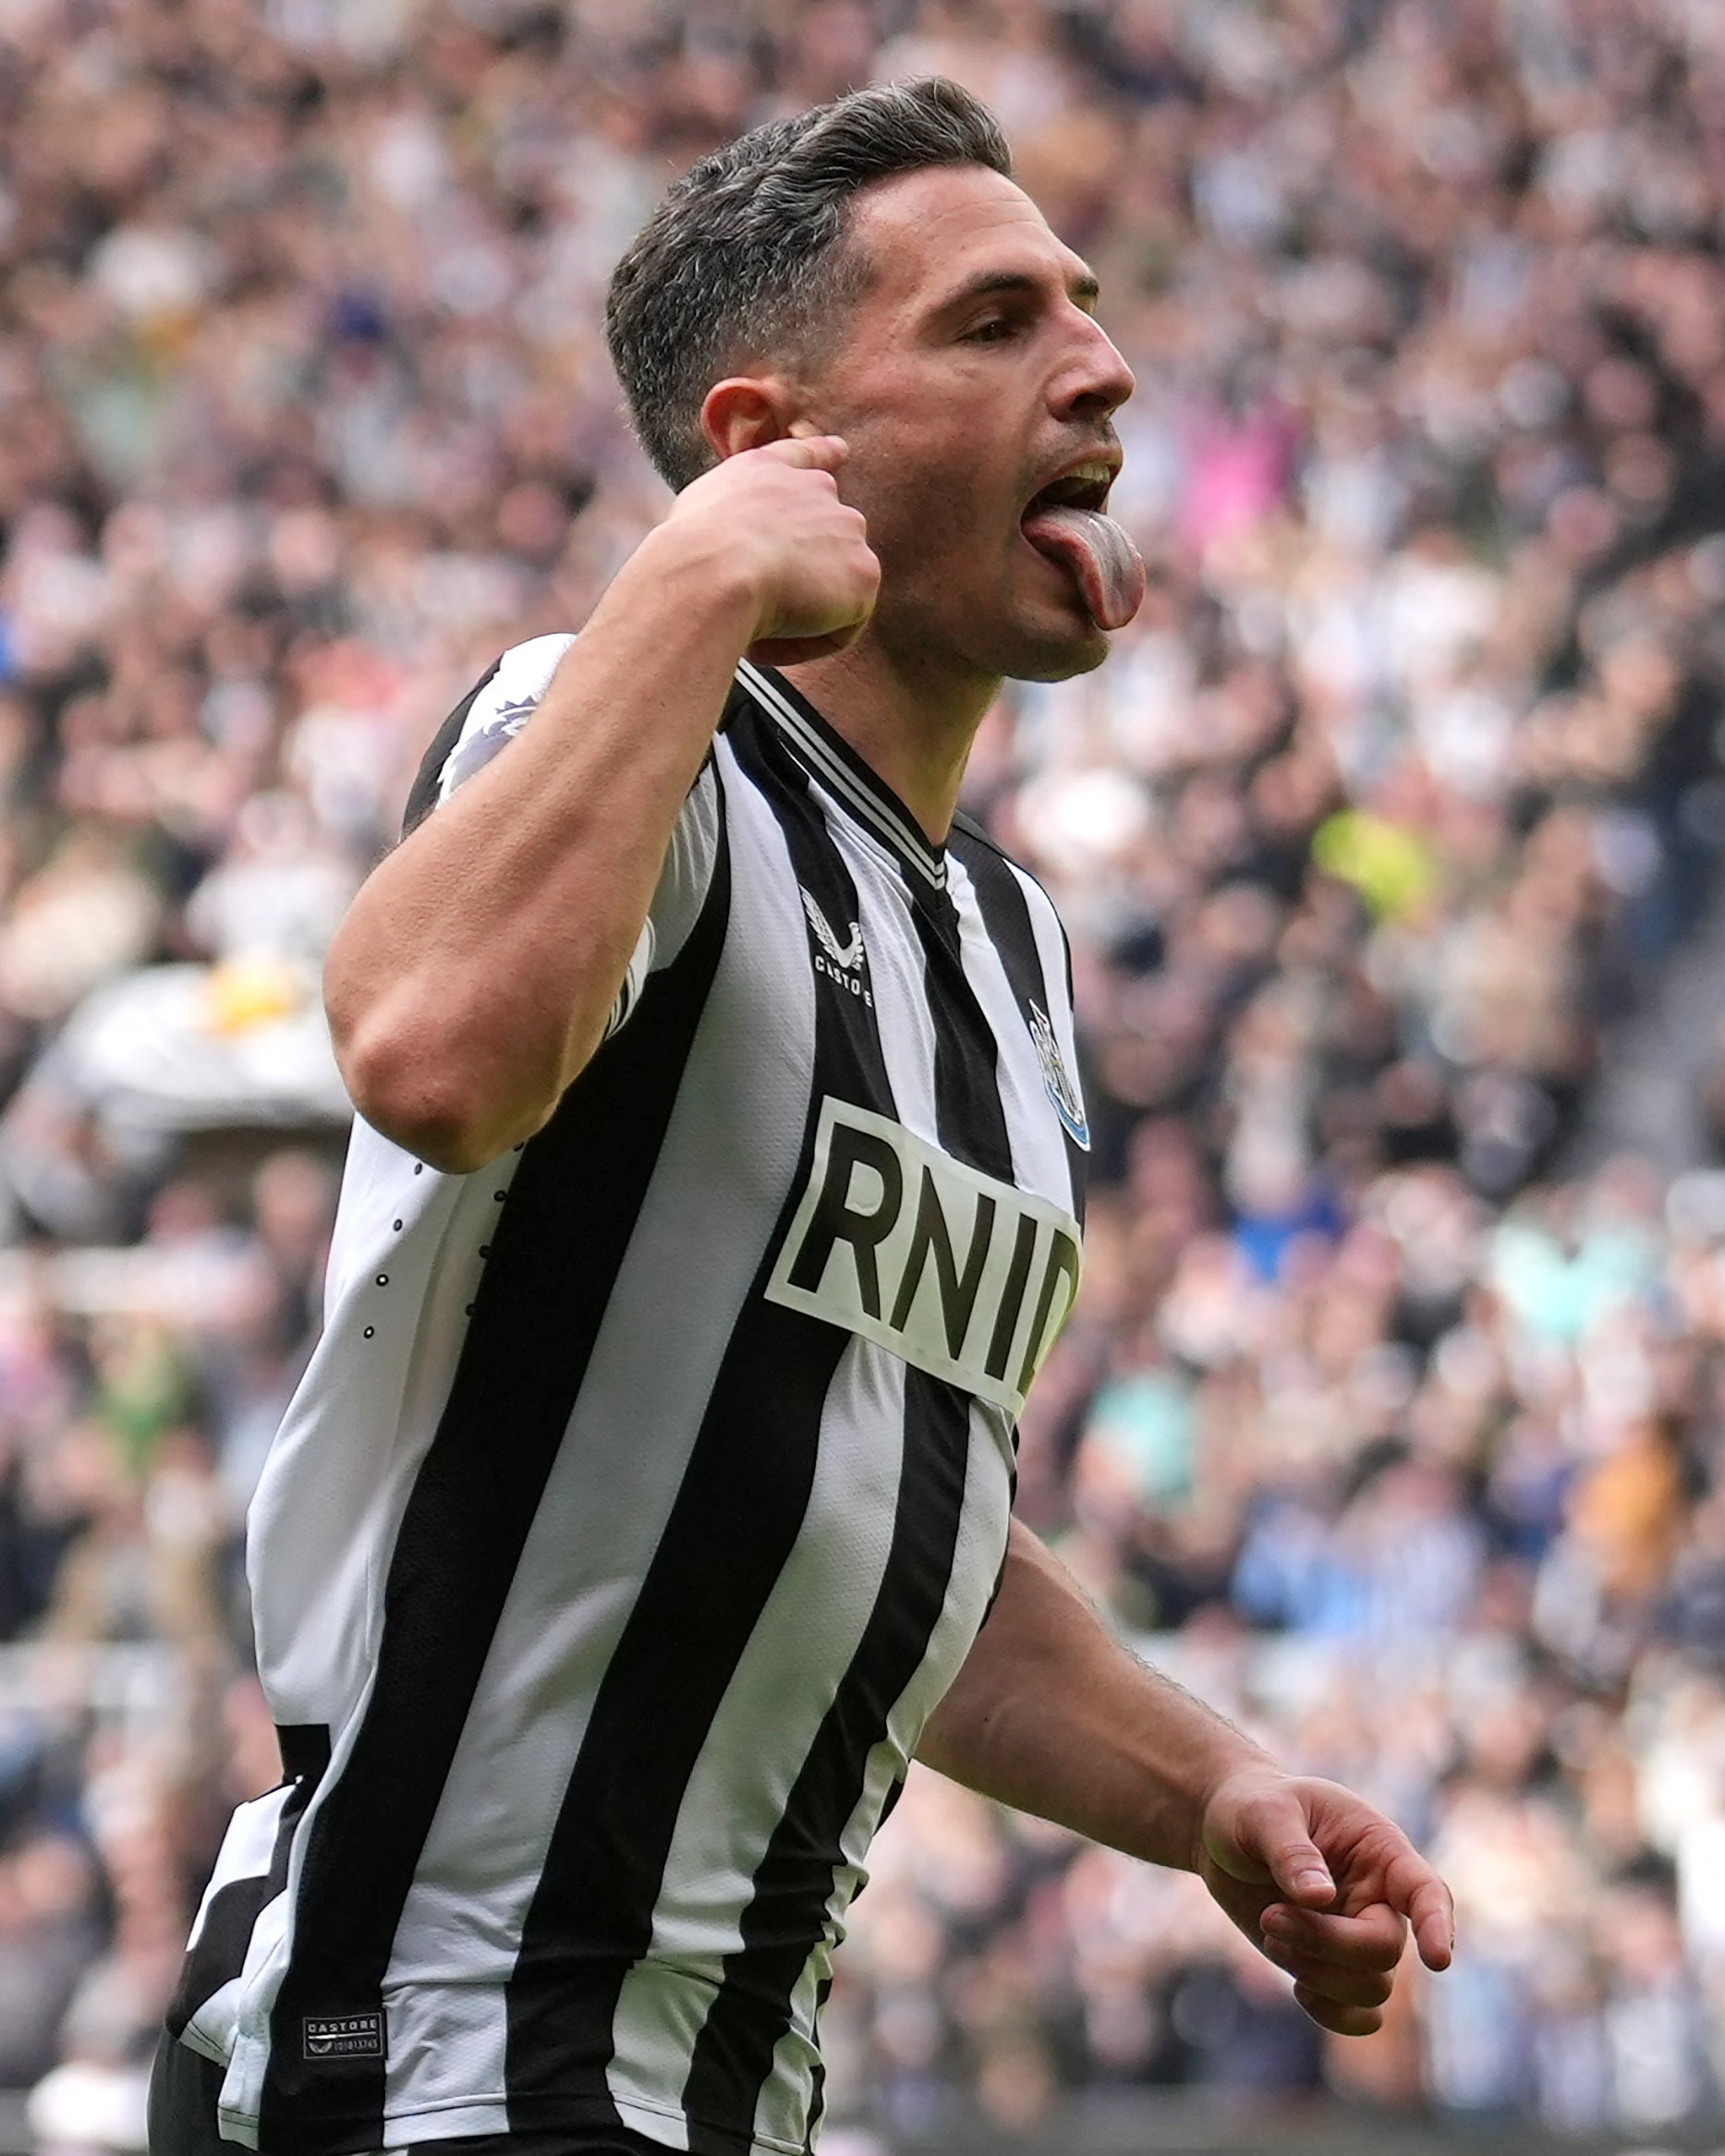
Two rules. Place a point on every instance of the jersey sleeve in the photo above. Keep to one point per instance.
(483, 724)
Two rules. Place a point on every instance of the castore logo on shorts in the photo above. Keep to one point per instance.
(343, 2036)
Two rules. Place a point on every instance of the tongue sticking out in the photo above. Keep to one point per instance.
(1099, 554)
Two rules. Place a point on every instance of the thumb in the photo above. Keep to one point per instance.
(1292, 1860)
(802, 446)
(1303, 1877)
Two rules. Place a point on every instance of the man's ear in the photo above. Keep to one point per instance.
(747, 411)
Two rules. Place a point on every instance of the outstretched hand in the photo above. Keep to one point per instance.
(1324, 1887)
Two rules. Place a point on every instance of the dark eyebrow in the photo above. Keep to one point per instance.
(1084, 289)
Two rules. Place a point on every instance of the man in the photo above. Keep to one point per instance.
(716, 1199)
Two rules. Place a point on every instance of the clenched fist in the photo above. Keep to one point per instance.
(770, 523)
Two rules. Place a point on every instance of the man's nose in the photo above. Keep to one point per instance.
(1096, 379)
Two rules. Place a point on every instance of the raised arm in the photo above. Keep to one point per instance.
(1050, 1715)
(473, 976)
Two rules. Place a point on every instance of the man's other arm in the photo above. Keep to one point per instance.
(1050, 1715)
(476, 971)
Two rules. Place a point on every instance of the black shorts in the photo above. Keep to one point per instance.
(184, 2087)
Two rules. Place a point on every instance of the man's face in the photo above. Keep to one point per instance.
(970, 374)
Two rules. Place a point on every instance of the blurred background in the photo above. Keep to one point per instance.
(1393, 1416)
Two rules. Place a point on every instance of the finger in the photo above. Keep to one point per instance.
(1418, 1894)
(1332, 2014)
(1373, 1939)
(1346, 1987)
(822, 453)
(1434, 1935)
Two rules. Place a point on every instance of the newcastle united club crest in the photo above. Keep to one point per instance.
(1068, 1102)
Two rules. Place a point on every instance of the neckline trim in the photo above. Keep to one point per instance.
(830, 758)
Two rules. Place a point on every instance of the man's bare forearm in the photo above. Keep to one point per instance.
(473, 976)
(1051, 1716)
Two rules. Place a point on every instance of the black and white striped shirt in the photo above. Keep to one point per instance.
(647, 1489)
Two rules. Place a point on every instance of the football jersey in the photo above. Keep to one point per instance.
(648, 1488)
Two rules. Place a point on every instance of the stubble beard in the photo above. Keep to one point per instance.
(1002, 635)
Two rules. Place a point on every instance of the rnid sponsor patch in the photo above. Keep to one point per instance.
(965, 1275)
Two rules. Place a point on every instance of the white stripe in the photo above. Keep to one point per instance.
(686, 876)
(342, 1464)
(834, 774)
(614, 1481)
(806, 1637)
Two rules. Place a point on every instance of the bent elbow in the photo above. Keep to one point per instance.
(451, 1148)
(409, 1095)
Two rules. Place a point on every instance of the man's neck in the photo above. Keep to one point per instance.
(910, 724)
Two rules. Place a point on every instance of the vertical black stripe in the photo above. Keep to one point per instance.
(734, 1524)
(968, 1115)
(819, 867)
(793, 1885)
(424, 796)
(1006, 916)
(560, 1241)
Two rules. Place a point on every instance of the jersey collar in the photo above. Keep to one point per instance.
(830, 758)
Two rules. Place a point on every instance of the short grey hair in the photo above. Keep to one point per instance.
(742, 260)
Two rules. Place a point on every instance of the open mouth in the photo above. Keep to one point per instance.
(1067, 523)
(1087, 488)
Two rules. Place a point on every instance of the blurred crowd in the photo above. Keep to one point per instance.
(1400, 1438)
